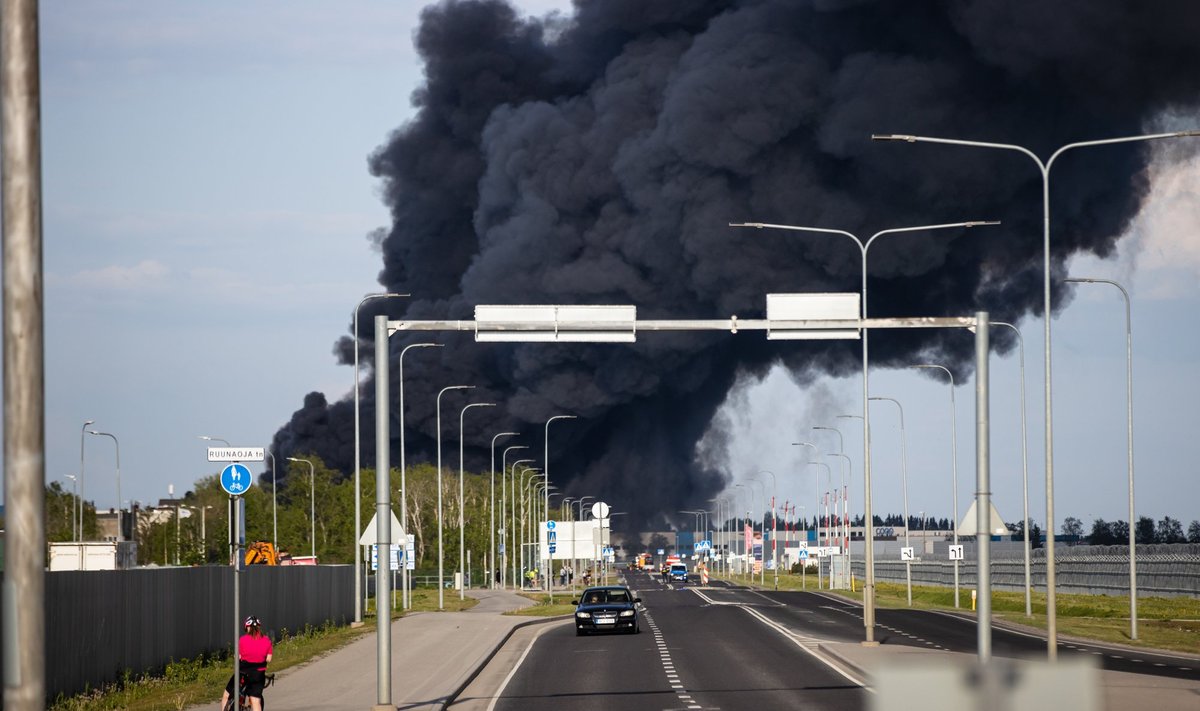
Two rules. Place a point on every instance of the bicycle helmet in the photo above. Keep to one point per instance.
(252, 621)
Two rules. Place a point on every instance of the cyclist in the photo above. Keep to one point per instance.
(254, 653)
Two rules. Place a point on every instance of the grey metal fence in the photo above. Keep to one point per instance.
(100, 624)
(1162, 570)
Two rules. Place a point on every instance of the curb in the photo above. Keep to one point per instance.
(846, 663)
(487, 660)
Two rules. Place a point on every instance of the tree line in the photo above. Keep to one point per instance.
(304, 505)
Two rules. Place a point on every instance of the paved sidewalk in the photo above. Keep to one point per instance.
(433, 655)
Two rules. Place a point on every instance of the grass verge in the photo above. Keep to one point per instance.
(1163, 623)
(188, 682)
(542, 607)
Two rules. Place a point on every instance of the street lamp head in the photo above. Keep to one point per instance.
(89, 422)
(756, 225)
(849, 417)
(893, 137)
(981, 223)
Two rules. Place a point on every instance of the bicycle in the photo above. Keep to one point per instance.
(243, 701)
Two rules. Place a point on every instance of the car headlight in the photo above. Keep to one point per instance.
(582, 615)
(626, 613)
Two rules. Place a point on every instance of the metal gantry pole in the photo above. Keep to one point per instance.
(24, 360)
(983, 494)
(358, 563)
(383, 520)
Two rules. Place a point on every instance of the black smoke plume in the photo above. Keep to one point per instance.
(598, 158)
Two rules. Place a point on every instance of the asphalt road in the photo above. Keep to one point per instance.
(731, 647)
(830, 617)
(691, 654)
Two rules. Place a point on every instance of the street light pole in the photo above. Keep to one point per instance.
(574, 560)
(953, 464)
(358, 565)
(515, 548)
(842, 530)
(869, 531)
(1128, 446)
(1024, 472)
(546, 476)
(441, 558)
(274, 508)
(904, 481)
(845, 496)
(462, 529)
(504, 528)
(120, 511)
(405, 583)
(81, 438)
(774, 529)
(312, 509)
(492, 569)
(1044, 168)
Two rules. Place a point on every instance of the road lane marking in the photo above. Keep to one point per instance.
(804, 642)
(513, 672)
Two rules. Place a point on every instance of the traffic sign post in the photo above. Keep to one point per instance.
(236, 480)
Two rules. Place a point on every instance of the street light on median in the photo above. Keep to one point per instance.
(904, 485)
(1128, 446)
(953, 464)
(864, 247)
(1044, 169)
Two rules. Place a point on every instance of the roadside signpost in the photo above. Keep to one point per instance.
(236, 480)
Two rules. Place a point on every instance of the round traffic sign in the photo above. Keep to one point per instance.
(550, 525)
(236, 479)
(600, 510)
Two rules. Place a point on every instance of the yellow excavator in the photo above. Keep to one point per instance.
(261, 553)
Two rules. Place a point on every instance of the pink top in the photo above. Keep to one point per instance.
(254, 649)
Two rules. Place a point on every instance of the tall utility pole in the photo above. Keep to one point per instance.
(24, 359)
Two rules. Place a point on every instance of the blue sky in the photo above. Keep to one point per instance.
(207, 208)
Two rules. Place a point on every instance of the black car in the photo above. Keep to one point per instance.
(609, 608)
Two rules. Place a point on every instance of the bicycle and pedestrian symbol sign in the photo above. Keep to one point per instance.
(236, 479)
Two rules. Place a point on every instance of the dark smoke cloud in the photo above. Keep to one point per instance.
(597, 159)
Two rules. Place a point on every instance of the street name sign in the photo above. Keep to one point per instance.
(236, 454)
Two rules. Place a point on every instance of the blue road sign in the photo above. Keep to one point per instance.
(236, 479)
(553, 548)
(550, 525)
